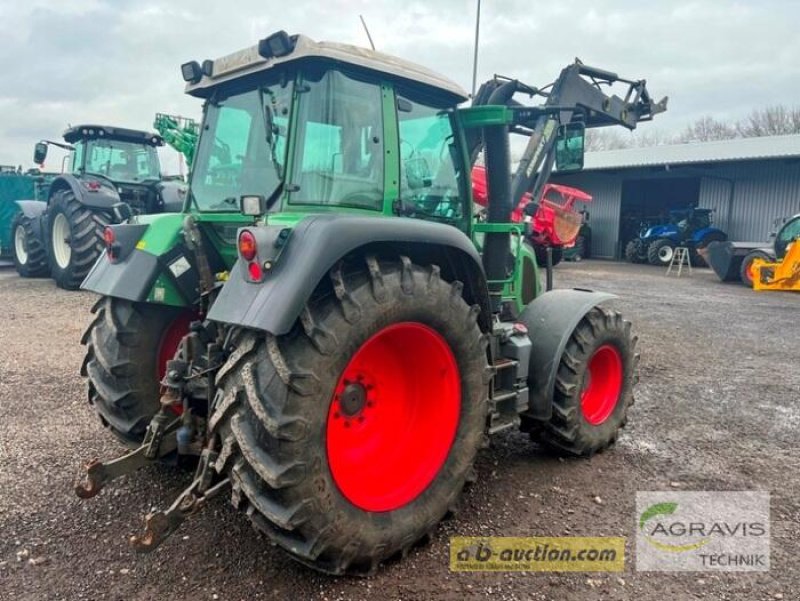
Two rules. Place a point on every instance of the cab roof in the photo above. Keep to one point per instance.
(249, 61)
(93, 131)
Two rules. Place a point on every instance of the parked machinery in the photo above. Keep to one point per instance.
(762, 266)
(356, 335)
(114, 174)
(689, 227)
(554, 221)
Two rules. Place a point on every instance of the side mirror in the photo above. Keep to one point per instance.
(570, 147)
(418, 174)
(39, 153)
(530, 209)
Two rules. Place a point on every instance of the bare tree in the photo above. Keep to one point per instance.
(707, 129)
(776, 120)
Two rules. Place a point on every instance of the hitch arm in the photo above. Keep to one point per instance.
(161, 524)
(161, 440)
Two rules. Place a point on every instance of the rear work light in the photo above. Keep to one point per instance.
(247, 245)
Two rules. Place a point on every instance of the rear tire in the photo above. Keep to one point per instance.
(594, 385)
(125, 348)
(660, 252)
(635, 251)
(30, 257)
(745, 271)
(76, 239)
(319, 488)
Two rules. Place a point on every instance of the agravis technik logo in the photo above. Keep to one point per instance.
(702, 531)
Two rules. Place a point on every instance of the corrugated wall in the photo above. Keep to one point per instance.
(747, 197)
(761, 192)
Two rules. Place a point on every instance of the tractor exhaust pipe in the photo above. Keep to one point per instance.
(497, 246)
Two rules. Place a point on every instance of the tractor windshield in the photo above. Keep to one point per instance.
(120, 161)
(242, 148)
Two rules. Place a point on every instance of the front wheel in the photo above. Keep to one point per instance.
(594, 385)
(746, 271)
(76, 239)
(30, 258)
(636, 251)
(660, 252)
(350, 438)
(127, 347)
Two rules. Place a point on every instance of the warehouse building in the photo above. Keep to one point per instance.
(748, 182)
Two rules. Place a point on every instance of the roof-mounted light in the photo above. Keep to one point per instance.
(276, 45)
(208, 67)
(192, 72)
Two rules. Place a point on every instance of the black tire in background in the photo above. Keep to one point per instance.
(580, 249)
(124, 344)
(30, 260)
(745, 273)
(557, 255)
(635, 251)
(76, 238)
(281, 396)
(575, 428)
(657, 252)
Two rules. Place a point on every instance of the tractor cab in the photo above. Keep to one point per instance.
(298, 126)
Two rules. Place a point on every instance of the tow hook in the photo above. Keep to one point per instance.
(159, 525)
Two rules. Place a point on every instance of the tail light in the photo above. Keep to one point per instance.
(110, 239)
(248, 250)
(247, 245)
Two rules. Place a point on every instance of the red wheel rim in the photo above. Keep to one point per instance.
(393, 417)
(169, 342)
(602, 385)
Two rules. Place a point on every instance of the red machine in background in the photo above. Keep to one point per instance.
(555, 223)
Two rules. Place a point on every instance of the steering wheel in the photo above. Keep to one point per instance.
(358, 198)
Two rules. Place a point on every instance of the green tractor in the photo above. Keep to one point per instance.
(326, 328)
(114, 173)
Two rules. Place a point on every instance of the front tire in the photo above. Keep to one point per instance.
(127, 345)
(594, 385)
(541, 255)
(30, 257)
(746, 271)
(660, 252)
(351, 437)
(636, 251)
(76, 239)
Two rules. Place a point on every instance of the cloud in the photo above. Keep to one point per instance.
(117, 61)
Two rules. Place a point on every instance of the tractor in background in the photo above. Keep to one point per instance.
(761, 266)
(554, 221)
(690, 227)
(325, 328)
(17, 185)
(114, 174)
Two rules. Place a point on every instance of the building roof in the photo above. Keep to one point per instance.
(249, 61)
(768, 147)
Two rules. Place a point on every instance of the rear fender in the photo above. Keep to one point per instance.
(304, 256)
(94, 192)
(33, 210)
(700, 234)
(550, 320)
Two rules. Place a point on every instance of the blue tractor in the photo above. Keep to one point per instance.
(689, 227)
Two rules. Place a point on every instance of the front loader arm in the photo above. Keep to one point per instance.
(576, 95)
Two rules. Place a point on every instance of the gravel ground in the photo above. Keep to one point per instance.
(717, 409)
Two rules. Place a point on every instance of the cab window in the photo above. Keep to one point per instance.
(429, 162)
(338, 156)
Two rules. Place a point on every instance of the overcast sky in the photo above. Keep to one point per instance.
(117, 61)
